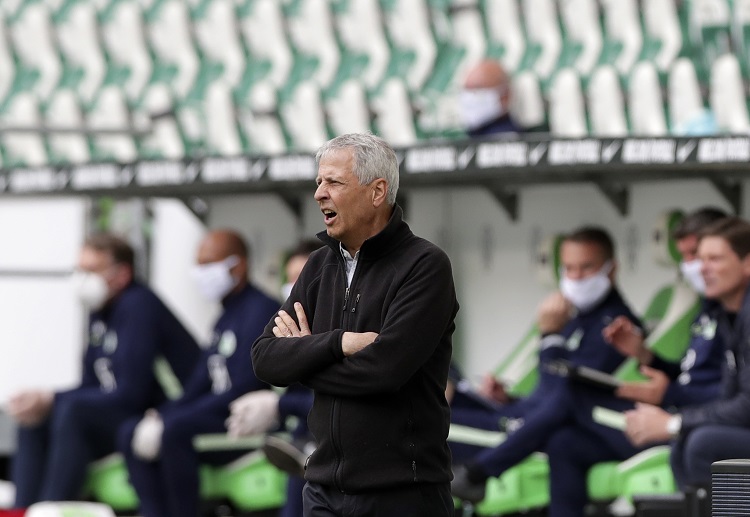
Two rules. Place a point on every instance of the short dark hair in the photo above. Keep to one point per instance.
(593, 235)
(304, 248)
(734, 230)
(694, 222)
(116, 247)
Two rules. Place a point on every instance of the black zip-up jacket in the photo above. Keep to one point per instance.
(733, 406)
(379, 416)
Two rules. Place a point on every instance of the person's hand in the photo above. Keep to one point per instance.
(253, 413)
(651, 391)
(287, 327)
(627, 339)
(31, 408)
(493, 389)
(554, 313)
(353, 342)
(146, 442)
(646, 424)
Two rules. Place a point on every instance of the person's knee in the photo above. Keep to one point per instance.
(698, 454)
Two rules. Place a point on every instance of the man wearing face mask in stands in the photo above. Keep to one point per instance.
(485, 100)
(129, 329)
(158, 446)
(571, 323)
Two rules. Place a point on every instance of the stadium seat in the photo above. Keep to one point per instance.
(527, 102)
(217, 35)
(663, 34)
(645, 101)
(727, 98)
(22, 148)
(222, 132)
(605, 103)
(7, 66)
(466, 32)
(414, 49)
(393, 115)
(543, 37)
(710, 30)
(567, 111)
(109, 111)
(259, 121)
(348, 111)
(262, 28)
(76, 27)
(506, 40)
(311, 31)
(623, 37)
(123, 36)
(39, 54)
(360, 27)
(687, 113)
(164, 139)
(304, 118)
(583, 35)
(63, 110)
(168, 34)
(741, 33)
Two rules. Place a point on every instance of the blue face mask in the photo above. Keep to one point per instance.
(586, 293)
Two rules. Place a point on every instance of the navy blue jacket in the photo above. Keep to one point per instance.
(225, 369)
(696, 379)
(125, 338)
(733, 406)
(504, 124)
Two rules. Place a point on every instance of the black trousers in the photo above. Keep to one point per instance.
(418, 500)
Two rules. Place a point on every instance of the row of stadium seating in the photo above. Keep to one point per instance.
(188, 78)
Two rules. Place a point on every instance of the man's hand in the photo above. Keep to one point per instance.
(493, 389)
(554, 313)
(646, 424)
(253, 413)
(31, 408)
(287, 327)
(353, 342)
(627, 339)
(651, 391)
(146, 442)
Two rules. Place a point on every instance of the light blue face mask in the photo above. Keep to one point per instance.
(586, 293)
(691, 271)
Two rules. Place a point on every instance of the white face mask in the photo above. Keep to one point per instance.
(214, 280)
(91, 288)
(587, 292)
(691, 271)
(480, 106)
(286, 290)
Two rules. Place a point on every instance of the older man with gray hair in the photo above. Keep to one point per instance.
(368, 327)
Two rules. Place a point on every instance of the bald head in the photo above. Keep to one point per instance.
(486, 74)
(219, 245)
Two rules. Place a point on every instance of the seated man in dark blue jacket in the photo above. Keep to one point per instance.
(578, 445)
(587, 290)
(130, 328)
(720, 429)
(158, 446)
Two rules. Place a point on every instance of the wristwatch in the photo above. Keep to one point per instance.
(674, 424)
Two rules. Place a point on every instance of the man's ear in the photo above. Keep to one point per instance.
(379, 192)
(746, 266)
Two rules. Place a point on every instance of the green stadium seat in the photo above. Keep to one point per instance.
(741, 33)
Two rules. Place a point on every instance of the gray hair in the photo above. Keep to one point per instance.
(373, 159)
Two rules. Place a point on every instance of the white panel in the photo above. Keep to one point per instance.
(176, 236)
(41, 337)
(41, 234)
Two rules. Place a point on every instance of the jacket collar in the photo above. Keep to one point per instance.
(380, 244)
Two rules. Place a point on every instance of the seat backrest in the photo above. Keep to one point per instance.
(505, 30)
(605, 103)
(622, 24)
(217, 33)
(348, 111)
(687, 113)
(581, 22)
(64, 111)
(543, 31)
(645, 101)
(662, 24)
(727, 95)
(23, 148)
(567, 111)
(304, 117)
(360, 27)
(394, 118)
(408, 25)
(311, 30)
(527, 102)
(262, 29)
(222, 130)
